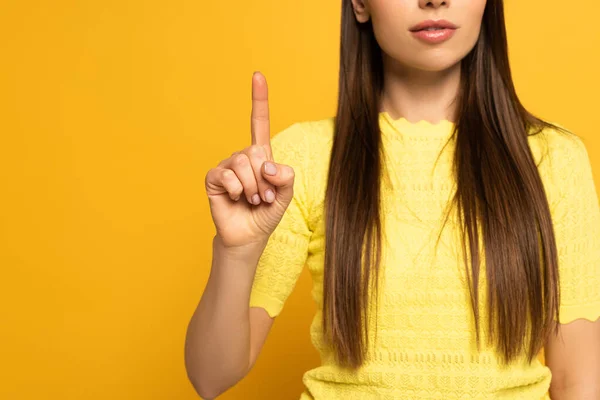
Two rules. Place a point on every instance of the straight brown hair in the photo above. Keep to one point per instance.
(499, 193)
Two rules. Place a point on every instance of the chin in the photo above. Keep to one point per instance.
(434, 63)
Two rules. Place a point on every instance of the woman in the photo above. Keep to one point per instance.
(451, 235)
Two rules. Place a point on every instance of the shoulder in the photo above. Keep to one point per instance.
(305, 144)
(556, 142)
(555, 146)
(305, 133)
(306, 147)
(560, 154)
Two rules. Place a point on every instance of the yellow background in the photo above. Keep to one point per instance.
(112, 112)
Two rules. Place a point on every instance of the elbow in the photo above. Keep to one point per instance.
(203, 387)
(200, 382)
(207, 385)
(589, 389)
(211, 375)
(575, 394)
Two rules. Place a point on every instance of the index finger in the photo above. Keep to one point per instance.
(259, 121)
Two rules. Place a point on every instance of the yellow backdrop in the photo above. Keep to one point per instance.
(111, 113)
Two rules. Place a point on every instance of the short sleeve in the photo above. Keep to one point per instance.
(576, 220)
(285, 254)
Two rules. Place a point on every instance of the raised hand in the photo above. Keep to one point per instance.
(249, 192)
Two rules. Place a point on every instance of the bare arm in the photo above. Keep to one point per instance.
(248, 195)
(225, 336)
(574, 359)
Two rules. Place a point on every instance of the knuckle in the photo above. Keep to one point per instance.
(240, 159)
(226, 174)
(257, 150)
(287, 172)
(261, 116)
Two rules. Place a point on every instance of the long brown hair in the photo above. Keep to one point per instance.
(499, 193)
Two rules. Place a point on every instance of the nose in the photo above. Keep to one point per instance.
(433, 3)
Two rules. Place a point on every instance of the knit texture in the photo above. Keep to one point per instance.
(425, 345)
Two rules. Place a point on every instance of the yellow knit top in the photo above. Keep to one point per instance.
(425, 346)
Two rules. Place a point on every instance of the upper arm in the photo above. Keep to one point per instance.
(260, 326)
(573, 357)
(576, 221)
(286, 252)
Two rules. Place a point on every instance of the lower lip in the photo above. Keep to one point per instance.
(436, 36)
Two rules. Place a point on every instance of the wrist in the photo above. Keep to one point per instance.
(250, 252)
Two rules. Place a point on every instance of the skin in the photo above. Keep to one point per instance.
(421, 83)
(426, 75)
(225, 336)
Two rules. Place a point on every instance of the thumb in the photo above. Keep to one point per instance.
(282, 177)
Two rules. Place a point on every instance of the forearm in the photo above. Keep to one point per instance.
(575, 394)
(573, 356)
(581, 391)
(217, 350)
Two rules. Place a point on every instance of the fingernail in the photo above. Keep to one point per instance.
(270, 168)
(256, 199)
(269, 196)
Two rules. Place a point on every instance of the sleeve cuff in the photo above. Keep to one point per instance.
(591, 312)
(271, 305)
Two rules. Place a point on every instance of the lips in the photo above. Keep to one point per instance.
(433, 25)
(433, 32)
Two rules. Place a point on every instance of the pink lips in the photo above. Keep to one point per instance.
(442, 30)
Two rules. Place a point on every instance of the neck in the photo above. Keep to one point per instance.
(420, 95)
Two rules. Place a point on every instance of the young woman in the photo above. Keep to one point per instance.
(451, 235)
